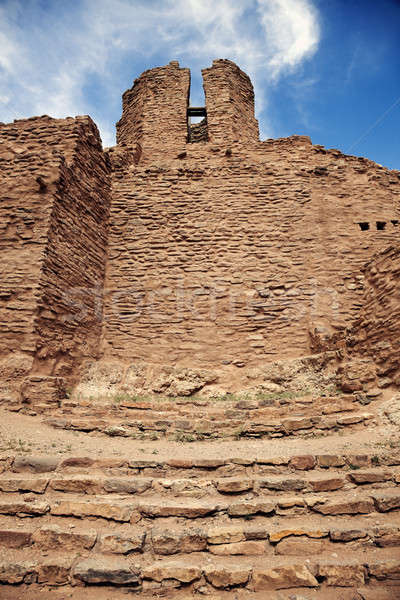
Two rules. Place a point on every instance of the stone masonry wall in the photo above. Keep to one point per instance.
(376, 333)
(233, 254)
(229, 103)
(154, 122)
(70, 314)
(29, 169)
(53, 178)
(154, 113)
(225, 252)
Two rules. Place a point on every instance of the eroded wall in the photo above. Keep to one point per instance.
(154, 122)
(376, 332)
(230, 104)
(70, 310)
(154, 115)
(222, 252)
(54, 214)
(233, 254)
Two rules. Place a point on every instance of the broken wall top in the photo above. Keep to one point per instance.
(155, 110)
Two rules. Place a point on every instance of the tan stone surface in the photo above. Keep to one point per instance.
(280, 534)
(14, 573)
(300, 547)
(52, 537)
(343, 575)
(248, 548)
(117, 511)
(220, 577)
(283, 577)
(15, 538)
(54, 572)
(174, 542)
(225, 534)
(375, 332)
(23, 485)
(182, 573)
(55, 202)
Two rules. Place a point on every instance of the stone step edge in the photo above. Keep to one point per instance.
(305, 462)
(289, 426)
(223, 539)
(219, 575)
(167, 404)
(212, 412)
(123, 510)
(313, 482)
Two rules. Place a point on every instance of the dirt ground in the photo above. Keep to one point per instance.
(23, 434)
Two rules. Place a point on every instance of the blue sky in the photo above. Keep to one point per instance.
(329, 69)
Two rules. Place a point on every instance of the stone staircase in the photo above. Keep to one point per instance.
(296, 527)
(192, 419)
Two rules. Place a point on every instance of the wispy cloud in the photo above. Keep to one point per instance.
(364, 57)
(49, 55)
(291, 32)
(355, 57)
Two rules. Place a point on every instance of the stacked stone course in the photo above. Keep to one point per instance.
(250, 245)
(375, 333)
(154, 114)
(230, 104)
(54, 220)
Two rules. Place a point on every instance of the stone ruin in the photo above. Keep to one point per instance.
(195, 284)
(193, 250)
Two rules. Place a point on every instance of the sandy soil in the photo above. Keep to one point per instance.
(25, 434)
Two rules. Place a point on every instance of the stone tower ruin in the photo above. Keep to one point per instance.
(186, 245)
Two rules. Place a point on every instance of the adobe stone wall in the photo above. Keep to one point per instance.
(154, 112)
(154, 123)
(230, 104)
(54, 218)
(224, 253)
(376, 331)
(233, 254)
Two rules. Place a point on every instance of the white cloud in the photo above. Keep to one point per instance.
(47, 58)
(8, 52)
(292, 28)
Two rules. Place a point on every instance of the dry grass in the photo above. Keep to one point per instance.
(110, 383)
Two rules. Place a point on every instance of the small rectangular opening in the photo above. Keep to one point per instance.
(196, 111)
(364, 226)
(197, 124)
(380, 225)
(395, 222)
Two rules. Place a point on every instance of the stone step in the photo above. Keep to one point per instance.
(194, 467)
(212, 410)
(228, 406)
(306, 482)
(293, 537)
(122, 509)
(201, 573)
(40, 592)
(200, 429)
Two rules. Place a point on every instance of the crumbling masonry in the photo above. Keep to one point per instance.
(187, 245)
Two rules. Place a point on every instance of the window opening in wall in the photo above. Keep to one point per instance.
(395, 222)
(196, 112)
(364, 226)
(380, 225)
(197, 124)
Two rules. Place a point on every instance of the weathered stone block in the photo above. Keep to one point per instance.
(283, 577)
